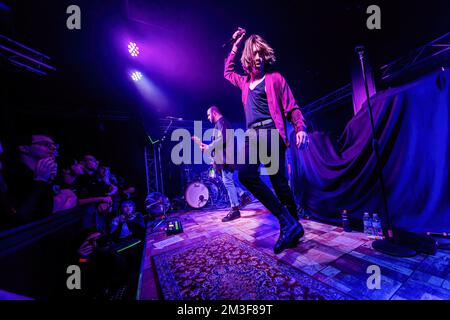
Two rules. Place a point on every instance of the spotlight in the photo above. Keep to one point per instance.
(133, 49)
(136, 76)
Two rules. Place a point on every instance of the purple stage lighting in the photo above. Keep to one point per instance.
(136, 76)
(133, 49)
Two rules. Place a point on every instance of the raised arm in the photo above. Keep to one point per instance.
(230, 65)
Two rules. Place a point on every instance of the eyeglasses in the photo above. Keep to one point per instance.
(47, 144)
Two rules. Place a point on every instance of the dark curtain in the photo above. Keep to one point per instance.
(412, 127)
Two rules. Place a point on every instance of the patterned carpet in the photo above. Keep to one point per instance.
(225, 268)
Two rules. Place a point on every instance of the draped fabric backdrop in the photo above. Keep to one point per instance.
(412, 127)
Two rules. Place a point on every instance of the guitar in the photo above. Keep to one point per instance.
(199, 142)
(202, 146)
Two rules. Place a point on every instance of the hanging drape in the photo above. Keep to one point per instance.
(412, 128)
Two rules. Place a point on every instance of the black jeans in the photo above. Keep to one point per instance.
(249, 175)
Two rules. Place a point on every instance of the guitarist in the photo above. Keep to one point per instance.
(220, 145)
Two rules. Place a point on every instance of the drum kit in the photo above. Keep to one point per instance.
(205, 189)
(201, 189)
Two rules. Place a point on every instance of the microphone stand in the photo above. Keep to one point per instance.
(160, 176)
(158, 146)
(163, 217)
(390, 245)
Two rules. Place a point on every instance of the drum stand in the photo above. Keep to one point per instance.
(211, 203)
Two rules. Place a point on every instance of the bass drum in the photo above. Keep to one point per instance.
(196, 195)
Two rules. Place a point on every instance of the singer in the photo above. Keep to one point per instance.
(267, 101)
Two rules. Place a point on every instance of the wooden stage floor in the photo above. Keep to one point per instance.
(326, 252)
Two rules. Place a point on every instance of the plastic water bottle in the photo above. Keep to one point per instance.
(377, 229)
(368, 228)
(346, 222)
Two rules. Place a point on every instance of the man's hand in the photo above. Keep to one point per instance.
(239, 35)
(89, 245)
(107, 200)
(302, 140)
(199, 142)
(45, 169)
(204, 147)
(113, 190)
(86, 249)
(66, 199)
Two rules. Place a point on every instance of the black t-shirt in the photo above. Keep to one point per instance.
(89, 186)
(222, 139)
(135, 226)
(31, 200)
(257, 108)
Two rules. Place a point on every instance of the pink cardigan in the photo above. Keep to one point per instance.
(279, 97)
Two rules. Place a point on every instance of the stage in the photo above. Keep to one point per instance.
(327, 264)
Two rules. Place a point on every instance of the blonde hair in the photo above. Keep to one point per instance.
(261, 45)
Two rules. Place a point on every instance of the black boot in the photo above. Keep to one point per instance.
(293, 211)
(290, 231)
(232, 215)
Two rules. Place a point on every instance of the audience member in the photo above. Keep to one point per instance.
(70, 173)
(72, 178)
(91, 183)
(30, 177)
(94, 189)
(108, 179)
(129, 224)
(30, 190)
(105, 270)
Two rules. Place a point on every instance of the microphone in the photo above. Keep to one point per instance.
(233, 40)
(360, 51)
(359, 48)
(174, 118)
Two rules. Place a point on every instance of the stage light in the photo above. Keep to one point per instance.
(133, 49)
(136, 76)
